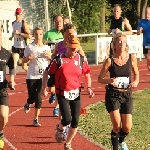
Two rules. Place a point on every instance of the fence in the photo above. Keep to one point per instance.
(102, 44)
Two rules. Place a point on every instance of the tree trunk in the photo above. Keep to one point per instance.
(102, 18)
(143, 9)
(138, 10)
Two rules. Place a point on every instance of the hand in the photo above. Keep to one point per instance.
(16, 32)
(10, 38)
(32, 56)
(139, 31)
(47, 54)
(112, 81)
(44, 92)
(133, 84)
(90, 92)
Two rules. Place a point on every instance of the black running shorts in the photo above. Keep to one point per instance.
(3, 97)
(115, 100)
(20, 51)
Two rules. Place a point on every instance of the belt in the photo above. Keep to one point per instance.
(121, 90)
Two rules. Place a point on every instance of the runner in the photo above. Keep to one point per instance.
(21, 35)
(144, 27)
(119, 102)
(51, 37)
(5, 59)
(65, 71)
(39, 56)
(119, 24)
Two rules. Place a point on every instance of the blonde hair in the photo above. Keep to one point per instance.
(37, 28)
(116, 37)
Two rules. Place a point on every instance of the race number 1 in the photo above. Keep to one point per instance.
(1, 76)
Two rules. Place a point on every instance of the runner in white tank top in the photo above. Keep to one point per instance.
(20, 32)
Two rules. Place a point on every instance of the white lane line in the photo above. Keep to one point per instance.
(10, 144)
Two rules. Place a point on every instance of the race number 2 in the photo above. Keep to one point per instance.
(1, 76)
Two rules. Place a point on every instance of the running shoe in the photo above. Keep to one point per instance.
(67, 146)
(56, 112)
(1, 140)
(36, 123)
(26, 108)
(59, 136)
(52, 98)
(123, 146)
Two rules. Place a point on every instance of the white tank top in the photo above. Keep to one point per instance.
(19, 41)
(39, 63)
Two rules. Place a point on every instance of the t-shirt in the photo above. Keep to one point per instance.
(145, 24)
(5, 59)
(67, 76)
(38, 64)
(53, 35)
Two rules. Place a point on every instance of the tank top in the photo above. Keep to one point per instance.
(19, 41)
(117, 23)
(121, 71)
(61, 48)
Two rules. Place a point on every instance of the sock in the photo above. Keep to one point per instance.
(114, 140)
(122, 135)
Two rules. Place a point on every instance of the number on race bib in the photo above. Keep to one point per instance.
(71, 95)
(1, 76)
(121, 82)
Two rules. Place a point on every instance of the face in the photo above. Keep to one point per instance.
(69, 34)
(19, 16)
(72, 51)
(120, 44)
(117, 12)
(38, 35)
(66, 21)
(58, 23)
(147, 14)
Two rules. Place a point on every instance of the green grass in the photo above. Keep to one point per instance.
(88, 47)
(97, 126)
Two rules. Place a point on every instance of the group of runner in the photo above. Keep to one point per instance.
(60, 69)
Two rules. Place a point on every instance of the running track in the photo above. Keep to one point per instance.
(21, 135)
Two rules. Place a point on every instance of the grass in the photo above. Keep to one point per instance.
(88, 47)
(97, 126)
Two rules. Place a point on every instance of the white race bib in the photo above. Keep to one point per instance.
(41, 65)
(72, 94)
(147, 47)
(1, 76)
(121, 82)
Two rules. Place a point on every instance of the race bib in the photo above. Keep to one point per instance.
(41, 65)
(122, 82)
(147, 47)
(18, 38)
(1, 76)
(72, 94)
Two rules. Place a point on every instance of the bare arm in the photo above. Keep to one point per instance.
(135, 71)
(27, 31)
(55, 52)
(128, 27)
(103, 72)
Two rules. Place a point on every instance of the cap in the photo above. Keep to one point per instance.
(74, 42)
(19, 11)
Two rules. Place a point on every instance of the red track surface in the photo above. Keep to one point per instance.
(21, 135)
